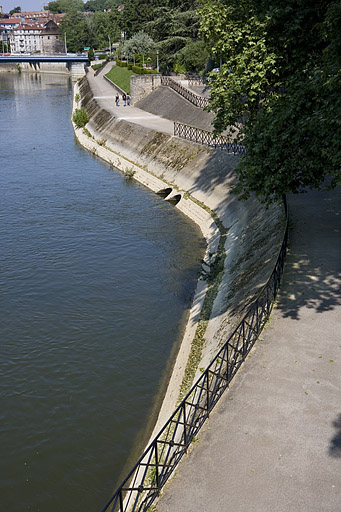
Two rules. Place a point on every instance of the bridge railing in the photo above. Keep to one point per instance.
(188, 132)
(142, 486)
(195, 99)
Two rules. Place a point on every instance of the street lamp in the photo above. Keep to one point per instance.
(157, 61)
(65, 42)
(109, 44)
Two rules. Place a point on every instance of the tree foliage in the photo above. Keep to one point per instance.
(101, 5)
(59, 6)
(15, 10)
(173, 28)
(79, 31)
(139, 43)
(279, 87)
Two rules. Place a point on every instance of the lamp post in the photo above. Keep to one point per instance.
(157, 61)
(65, 43)
(109, 44)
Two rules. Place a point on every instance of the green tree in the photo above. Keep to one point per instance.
(106, 25)
(79, 31)
(139, 43)
(16, 9)
(101, 5)
(279, 88)
(137, 13)
(193, 57)
(59, 6)
(173, 29)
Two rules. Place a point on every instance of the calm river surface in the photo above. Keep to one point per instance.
(97, 273)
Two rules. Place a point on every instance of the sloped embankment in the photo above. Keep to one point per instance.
(166, 103)
(201, 178)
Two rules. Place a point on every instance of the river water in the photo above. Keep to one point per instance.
(97, 275)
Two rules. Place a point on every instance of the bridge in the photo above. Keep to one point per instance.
(44, 57)
(73, 63)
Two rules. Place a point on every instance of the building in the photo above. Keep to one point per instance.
(4, 39)
(9, 23)
(25, 38)
(50, 39)
(33, 15)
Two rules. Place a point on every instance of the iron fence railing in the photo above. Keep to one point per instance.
(185, 131)
(141, 487)
(195, 99)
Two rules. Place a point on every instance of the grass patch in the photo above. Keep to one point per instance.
(214, 278)
(121, 77)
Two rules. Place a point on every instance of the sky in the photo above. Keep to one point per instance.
(26, 5)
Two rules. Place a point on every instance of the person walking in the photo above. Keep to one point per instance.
(124, 98)
(117, 100)
(128, 100)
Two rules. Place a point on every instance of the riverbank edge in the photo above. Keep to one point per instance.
(210, 232)
(199, 210)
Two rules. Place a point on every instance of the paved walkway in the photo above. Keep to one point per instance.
(273, 443)
(104, 93)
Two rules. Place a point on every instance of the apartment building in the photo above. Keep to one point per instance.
(25, 38)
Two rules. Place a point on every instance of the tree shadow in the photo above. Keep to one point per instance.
(312, 276)
(253, 239)
(335, 443)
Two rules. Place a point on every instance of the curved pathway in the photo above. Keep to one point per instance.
(273, 444)
(105, 93)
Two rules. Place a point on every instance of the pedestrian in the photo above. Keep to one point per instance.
(124, 98)
(117, 100)
(128, 100)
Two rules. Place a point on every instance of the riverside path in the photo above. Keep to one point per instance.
(104, 93)
(273, 442)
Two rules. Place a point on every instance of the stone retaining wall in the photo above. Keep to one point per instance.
(142, 85)
(200, 176)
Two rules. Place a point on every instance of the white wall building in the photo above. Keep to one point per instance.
(26, 38)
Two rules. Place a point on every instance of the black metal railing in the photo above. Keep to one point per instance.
(195, 99)
(142, 486)
(188, 132)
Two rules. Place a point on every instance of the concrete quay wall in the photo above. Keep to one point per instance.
(203, 178)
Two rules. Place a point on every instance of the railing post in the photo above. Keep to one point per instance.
(185, 426)
(121, 501)
(157, 467)
(243, 334)
(208, 393)
(227, 365)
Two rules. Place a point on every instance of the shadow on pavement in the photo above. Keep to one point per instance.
(335, 444)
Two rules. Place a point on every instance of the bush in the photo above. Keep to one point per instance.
(102, 56)
(95, 67)
(80, 117)
(142, 71)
